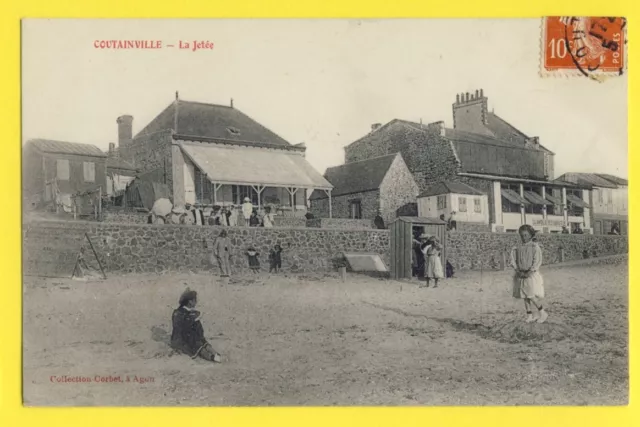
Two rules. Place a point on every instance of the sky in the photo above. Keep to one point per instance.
(321, 82)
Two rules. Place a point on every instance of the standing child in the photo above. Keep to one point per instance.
(247, 209)
(254, 262)
(433, 263)
(275, 259)
(526, 259)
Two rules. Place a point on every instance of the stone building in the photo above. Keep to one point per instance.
(217, 155)
(363, 188)
(484, 151)
(54, 171)
(608, 200)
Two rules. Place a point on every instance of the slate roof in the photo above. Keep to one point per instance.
(357, 177)
(446, 187)
(63, 147)
(212, 121)
(614, 179)
(505, 131)
(590, 179)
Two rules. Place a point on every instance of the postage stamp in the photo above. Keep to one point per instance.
(592, 47)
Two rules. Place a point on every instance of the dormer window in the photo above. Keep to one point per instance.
(233, 131)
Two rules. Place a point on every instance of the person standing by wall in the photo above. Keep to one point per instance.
(379, 221)
(247, 210)
(233, 216)
(433, 263)
(221, 249)
(267, 219)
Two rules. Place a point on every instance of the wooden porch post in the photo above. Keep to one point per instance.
(544, 207)
(565, 207)
(258, 189)
(292, 191)
(523, 218)
(328, 192)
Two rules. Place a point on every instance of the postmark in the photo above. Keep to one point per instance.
(593, 47)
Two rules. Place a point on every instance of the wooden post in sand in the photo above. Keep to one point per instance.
(96, 255)
(503, 261)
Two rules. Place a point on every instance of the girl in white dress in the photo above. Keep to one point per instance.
(432, 261)
(526, 260)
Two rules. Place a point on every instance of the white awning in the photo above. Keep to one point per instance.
(254, 166)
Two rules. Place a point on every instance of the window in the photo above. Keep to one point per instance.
(599, 195)
(507, 205)
(233, 131)
(62, 169)
(462, 204)
(89, 171)
(477, 206)
(355, 208)
(442, 202)
(533, 208)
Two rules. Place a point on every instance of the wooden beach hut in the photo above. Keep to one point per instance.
(402, 230)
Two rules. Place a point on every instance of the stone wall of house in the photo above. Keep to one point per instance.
(341, 205)
(429, 156)
(471, 250)
(125, 248)
(151, 154)
(397, 189)
(125, 215)
(289, 221)
(340, 223)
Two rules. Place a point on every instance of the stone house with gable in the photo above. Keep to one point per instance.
(213, 154)
(363, 188)
(484, 151)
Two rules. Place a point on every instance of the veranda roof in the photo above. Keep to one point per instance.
(514, 197)
(553, 199)
(535, 198)
(254, 166)
(576, 201)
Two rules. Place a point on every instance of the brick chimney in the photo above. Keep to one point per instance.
(112, 149)
(125, 130)
(470, 112)
(375, 126)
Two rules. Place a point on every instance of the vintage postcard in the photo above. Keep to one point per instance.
(325, 212)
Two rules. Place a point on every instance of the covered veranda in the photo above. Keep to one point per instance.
(226, 175)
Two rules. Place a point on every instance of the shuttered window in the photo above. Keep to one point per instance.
(62, 172)
(89, 171)
(462, 204)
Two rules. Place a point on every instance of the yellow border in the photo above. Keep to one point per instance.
(11, 410)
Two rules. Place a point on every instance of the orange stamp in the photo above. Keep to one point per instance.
(592, 47)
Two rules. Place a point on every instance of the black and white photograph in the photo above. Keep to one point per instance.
(324, 212)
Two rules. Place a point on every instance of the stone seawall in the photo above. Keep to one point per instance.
(340, 223)
(127, 216)
(126, 248)
(472, 251)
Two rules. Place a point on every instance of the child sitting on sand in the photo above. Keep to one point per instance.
(526, 259)
(188, 335)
